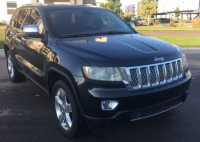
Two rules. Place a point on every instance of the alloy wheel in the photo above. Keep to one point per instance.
(63, 109)
(10, 66)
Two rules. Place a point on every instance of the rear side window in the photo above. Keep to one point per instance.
(21, 18)
(15, 18)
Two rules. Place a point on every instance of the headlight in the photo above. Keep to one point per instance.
(184, 60)
(102, 73)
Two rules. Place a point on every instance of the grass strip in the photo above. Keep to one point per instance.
(182, 41)
(3, 27)
(157, 28)
(2, 40)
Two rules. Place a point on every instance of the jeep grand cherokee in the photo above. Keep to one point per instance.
(98, 70)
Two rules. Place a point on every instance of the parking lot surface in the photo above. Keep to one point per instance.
(26, 115)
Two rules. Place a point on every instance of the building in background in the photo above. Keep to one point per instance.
(130, 10)
(170, 5)
(7, 7)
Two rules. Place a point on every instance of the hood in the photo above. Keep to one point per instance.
(120, 50)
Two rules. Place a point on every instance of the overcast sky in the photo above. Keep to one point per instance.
(127, 2)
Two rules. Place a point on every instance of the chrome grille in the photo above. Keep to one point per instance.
(174, 69)
(161, 72)
(134, 76)
(153, 74)
(179, 66)
(168, 71)
(142, 77)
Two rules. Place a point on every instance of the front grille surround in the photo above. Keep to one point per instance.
(153, 75)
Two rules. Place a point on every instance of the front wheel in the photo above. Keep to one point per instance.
(66, 110)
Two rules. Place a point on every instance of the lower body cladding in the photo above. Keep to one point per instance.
(131, 106)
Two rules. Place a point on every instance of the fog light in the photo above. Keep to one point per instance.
(109, 104)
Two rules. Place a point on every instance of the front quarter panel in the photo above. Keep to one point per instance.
(68, 61)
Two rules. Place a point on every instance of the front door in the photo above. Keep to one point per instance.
(35, 51)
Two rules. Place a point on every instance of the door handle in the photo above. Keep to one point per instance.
(24, 39)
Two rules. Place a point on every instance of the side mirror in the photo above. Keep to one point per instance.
(32, 31)
(132, 25)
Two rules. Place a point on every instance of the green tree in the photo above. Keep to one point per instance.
(139, 11)
(146, 7)
(177, 14)
(113, 6)
(127, 17)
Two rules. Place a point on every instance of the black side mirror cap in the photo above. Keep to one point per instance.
(33, 34)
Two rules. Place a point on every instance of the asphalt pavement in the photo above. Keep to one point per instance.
(26, 115)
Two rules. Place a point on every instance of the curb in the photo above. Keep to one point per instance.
(2, 54)
(187, 51)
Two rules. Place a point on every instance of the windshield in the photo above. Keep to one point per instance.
(77, 22)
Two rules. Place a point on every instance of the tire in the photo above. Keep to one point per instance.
(14, 74)
(66, 114)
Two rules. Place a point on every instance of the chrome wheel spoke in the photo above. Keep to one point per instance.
(10, 67)
(63, 96)
(58, 101)
(68, 120)
(62, 117)
(12, 72)
(8, 61)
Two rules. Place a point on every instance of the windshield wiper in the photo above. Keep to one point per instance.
(93, 34)
(78, 35)
(113, 32)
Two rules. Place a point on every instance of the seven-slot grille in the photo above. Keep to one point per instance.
(155, 75)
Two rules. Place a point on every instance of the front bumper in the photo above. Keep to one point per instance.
(132, 105)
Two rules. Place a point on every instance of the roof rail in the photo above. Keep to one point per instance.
(33, 4)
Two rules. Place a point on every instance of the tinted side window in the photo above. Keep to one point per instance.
(21, 18)
(35, 19)
(14, 19)
(40, 25)
(26, 19)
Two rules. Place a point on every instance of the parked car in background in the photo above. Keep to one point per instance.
(156, 20)
(164, 20)
(140, 20)
(97, 69)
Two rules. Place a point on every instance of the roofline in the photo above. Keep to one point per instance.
(52, 4)
(32, 4)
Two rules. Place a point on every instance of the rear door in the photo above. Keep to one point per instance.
(10, 32)
(20, 50)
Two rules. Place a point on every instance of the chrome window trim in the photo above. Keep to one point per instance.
(127, 79)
